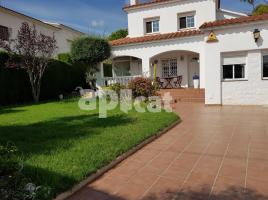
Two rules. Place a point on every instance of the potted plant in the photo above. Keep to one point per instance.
(196, 81)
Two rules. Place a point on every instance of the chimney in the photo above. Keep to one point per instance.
(134, 2)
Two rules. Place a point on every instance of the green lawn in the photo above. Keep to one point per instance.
(62, 144)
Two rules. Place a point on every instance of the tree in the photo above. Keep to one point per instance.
(261, 9)
(251, 2)
(90, 51)
(34, 51)
(121, 33)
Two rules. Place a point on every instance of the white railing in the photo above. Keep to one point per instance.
(123, 80)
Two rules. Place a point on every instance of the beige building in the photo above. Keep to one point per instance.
(10, 22)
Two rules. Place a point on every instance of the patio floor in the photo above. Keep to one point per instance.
(215, 153)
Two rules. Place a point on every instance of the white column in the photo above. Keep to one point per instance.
(101, 70)
(146, 67)
(202, 68)
(212, 65)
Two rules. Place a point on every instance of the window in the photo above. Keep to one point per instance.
(186, 22)
(265, 67)
(169, 68)
(4, 33)
(152, 26)
(232, 72)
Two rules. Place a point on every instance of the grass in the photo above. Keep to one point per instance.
(62, 144)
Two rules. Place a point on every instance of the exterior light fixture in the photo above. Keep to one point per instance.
(257, 34)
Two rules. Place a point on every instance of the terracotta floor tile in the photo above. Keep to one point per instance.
(132, 191)
(163, 170)
(163, 189)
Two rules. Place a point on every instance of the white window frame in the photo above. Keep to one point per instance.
(152, 20)
(187, 15)
(262, 65)
(234, 79)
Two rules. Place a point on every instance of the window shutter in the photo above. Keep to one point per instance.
(239, 59)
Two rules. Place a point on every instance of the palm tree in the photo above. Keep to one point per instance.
(251, 2)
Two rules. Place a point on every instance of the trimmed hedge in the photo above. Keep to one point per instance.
(59, 78)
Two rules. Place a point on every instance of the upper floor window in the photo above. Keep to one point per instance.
(152, 26)
(265, 67)
(186, 21)
(4, 33)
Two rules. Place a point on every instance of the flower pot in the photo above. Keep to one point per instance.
(196, 83)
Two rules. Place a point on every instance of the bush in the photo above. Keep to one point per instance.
(59, 78)
(65, 57)
(116, 87)
(142, 87)
(13, 183)
(90, 50)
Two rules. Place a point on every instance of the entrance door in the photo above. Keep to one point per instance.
(192, 70)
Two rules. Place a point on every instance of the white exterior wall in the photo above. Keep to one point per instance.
(252, 91)
(222, 14)
(205, 11)
(148, 51)
(13, 21)
(239, 38)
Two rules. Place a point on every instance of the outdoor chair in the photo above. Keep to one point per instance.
(178, 81)
(160, 82)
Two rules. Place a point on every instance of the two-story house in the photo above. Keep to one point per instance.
(191, 38)
(10, 23)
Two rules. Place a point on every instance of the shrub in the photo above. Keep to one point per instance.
(14, 185)
(65, 57)
(59, 78)
(142, 87)
(116, 87)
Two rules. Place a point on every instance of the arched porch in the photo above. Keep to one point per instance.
(174, 65)
(120, 69)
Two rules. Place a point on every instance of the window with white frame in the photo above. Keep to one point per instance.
(169, 68)
(186, 21)
(265, 67)
(234, 66)
(152, 26)
(233, 72)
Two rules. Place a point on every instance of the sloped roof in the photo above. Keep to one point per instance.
(239, 20)
(155, 37)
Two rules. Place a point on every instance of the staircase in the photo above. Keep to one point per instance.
(186, 94)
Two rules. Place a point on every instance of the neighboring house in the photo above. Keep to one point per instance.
(10, 23)
(196, 37)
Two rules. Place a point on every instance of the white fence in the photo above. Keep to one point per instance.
(123, 80)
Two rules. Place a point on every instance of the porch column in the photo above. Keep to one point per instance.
(213, 74)
(202, 67)
(146, 67)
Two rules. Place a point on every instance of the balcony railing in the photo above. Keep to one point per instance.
(123, 80)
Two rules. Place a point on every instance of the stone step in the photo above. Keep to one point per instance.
(185, 95)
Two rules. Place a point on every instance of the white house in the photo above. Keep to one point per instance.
(227, 50)
(10, 22)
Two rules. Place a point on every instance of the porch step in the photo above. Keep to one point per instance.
(185, 95)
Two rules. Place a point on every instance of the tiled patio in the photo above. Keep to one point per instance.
(215, 153)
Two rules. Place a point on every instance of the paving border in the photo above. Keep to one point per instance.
(114, 163)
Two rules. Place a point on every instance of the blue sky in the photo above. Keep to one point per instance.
(89, 16)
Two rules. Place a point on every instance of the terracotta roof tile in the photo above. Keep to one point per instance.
(146, 3)
(156, 37)
(240, 20)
